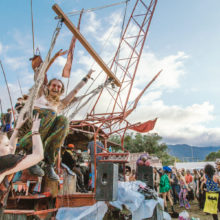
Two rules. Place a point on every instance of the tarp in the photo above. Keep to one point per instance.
(96, 212)
(129, 196)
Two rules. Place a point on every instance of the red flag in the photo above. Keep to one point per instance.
(144, 127)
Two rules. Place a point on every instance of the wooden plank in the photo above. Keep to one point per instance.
(29, 197)
(85, 43)
(45, 211)
(76, 200)
(17, 211)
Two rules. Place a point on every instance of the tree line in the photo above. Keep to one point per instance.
(151, 143)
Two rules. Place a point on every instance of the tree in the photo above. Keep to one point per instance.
(150, 143)
(213, 156)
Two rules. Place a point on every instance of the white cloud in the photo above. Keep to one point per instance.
(180, 124)
(172, 66)
(93, 24)
(16, 63)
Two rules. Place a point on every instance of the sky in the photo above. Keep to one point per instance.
(183, 40)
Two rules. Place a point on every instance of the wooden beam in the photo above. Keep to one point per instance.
(85, 43)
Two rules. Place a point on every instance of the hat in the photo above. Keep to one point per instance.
(70, 146)
(168, 169)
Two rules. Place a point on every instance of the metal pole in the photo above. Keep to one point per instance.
(20, 87)
(8, 89)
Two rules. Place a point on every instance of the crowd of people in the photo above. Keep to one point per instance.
(180, 187)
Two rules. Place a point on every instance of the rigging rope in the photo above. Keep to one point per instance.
(32, 24)
(104, 45)
(95, 9)
(92, 93)
(40, 78)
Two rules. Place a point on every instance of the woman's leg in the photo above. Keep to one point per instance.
(181, 198)
(186, 202)
(164, 195)
(215, 217)
(169, 197)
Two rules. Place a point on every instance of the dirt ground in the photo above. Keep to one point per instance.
(194, 211)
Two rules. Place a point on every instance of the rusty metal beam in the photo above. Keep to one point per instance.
(85, 43)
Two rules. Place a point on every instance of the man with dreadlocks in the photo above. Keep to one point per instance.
(54, 127)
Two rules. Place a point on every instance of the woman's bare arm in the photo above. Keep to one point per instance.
(70, 97)
(14, 138)
(37, 150)
(31, 159)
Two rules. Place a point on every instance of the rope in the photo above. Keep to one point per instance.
(94, 93)
(73, 13)
(20, 87)
(40, 78)
(103, 47)
(32, 24)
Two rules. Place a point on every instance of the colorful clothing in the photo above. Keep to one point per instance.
(211, 185)
(212, 197)
(182, 195)
(188, 178)
(53, 130)
(164, 184)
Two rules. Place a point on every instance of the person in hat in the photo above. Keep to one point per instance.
(165, 187)
(54, 127)
(71, 159)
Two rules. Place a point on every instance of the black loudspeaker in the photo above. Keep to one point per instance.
(107, 182)
(145, 174)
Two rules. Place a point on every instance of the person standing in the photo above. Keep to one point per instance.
(8, 120)
(183, 191)
(175, 186)
(165, 187)
(212, 195)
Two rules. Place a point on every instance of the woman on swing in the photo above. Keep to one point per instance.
(11, 163)
(54, 127)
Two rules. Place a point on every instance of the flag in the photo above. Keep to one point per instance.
(144, 127)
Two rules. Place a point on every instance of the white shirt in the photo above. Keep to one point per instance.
(42, 102)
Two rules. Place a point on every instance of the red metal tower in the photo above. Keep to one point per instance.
(124, 65)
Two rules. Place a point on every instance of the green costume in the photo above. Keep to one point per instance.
(164, 184)
(53, 130)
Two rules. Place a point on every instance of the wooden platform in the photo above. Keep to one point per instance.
(75, 200)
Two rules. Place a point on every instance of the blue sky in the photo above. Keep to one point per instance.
(183, 41)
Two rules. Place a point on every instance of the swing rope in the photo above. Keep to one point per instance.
(28, 108)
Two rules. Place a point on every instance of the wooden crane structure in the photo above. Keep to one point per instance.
(123, 69)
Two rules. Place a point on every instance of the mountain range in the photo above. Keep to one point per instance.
(189, 153)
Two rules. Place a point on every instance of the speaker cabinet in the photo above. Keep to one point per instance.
(145, 174)
(107, 182)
